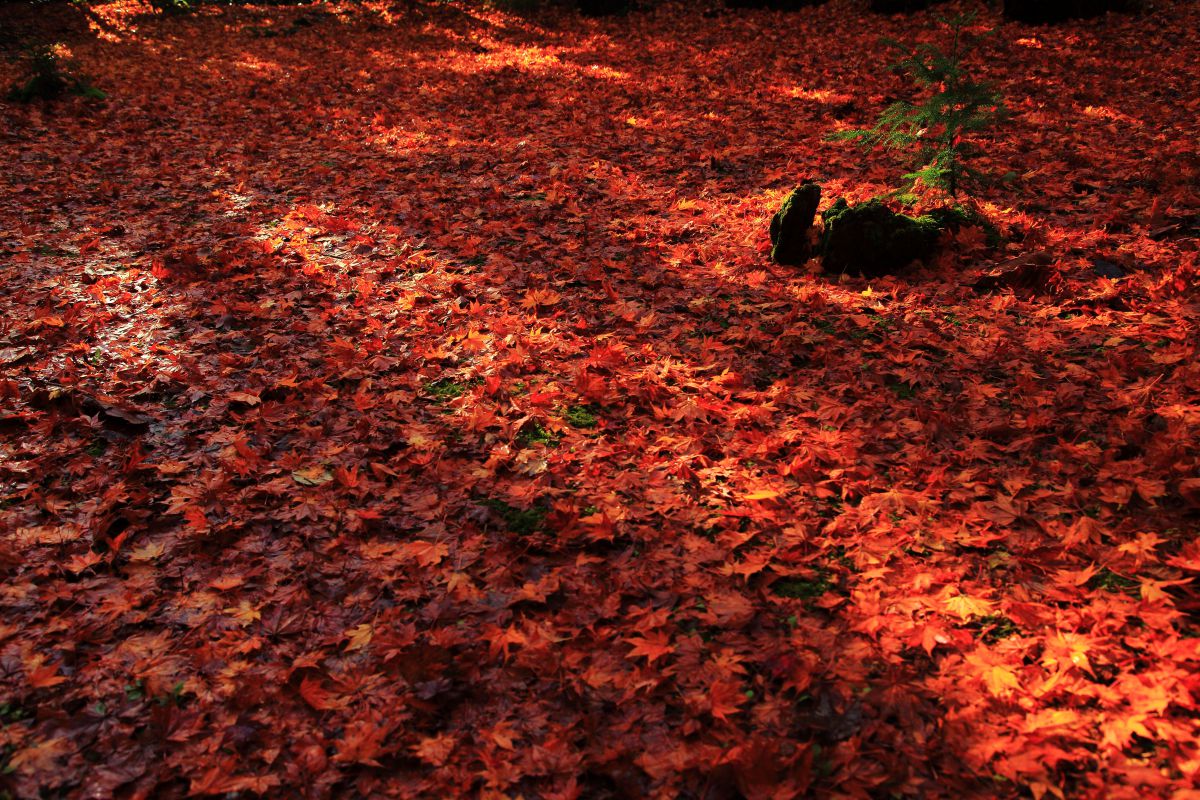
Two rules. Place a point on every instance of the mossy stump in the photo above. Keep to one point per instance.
(791, 225)
(870, 239)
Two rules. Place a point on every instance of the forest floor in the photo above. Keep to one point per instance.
(401, 402)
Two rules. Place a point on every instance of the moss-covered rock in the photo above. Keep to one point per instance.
(791, 225)
(951, 218)
(1039, 12)
(870, 239)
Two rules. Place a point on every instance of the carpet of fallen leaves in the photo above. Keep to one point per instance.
(399, 402)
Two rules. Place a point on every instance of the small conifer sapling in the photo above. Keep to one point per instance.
(939, 129)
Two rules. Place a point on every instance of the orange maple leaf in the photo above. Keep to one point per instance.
(724, 698)
(653, 646)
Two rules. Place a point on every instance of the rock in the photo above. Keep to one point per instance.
(870, 239)
(1040, 12)
(791, 225)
